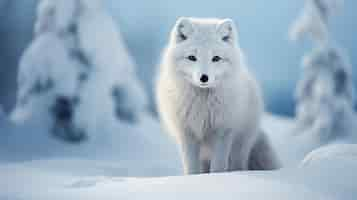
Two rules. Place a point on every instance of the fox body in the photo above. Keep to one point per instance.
(209, 101)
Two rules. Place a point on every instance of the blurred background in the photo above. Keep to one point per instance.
(145, 25)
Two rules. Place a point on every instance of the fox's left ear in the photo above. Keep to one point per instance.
(227, 31)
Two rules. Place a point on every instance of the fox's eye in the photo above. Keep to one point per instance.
(192, 58)
(216, 59)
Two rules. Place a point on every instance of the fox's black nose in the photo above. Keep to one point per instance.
(204, 78)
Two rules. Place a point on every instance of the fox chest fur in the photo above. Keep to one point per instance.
(205, 111)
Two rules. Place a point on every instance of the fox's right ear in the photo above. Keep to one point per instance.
(227, 30)
(183, 29)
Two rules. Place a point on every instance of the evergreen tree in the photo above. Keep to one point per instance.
(49, 71)
(112, 93)
(78, 72)
(325, 93)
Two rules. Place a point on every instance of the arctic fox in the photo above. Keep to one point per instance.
(209, 101)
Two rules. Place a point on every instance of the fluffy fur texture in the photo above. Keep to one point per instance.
(209, 101)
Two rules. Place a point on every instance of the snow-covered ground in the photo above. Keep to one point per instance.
(312, 182)
(134, 150)
(143, 163)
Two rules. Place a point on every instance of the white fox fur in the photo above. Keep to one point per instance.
(214, 119)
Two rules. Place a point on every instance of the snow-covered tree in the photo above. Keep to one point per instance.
(77, 71)
(112, 92)
(48, 72)
(325, 92)
(325, 95)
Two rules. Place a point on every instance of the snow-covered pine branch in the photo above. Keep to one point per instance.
(325, 95)
(313, 20)
(55, 15)
(2, 113)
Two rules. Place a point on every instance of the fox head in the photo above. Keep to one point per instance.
(204, 51)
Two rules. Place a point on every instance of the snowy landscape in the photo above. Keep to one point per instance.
(84, 123)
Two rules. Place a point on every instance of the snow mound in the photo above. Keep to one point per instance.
(292, 149)
(29, 181)
(334, 151)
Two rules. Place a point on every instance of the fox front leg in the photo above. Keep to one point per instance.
(221, 151)
(190, 154)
